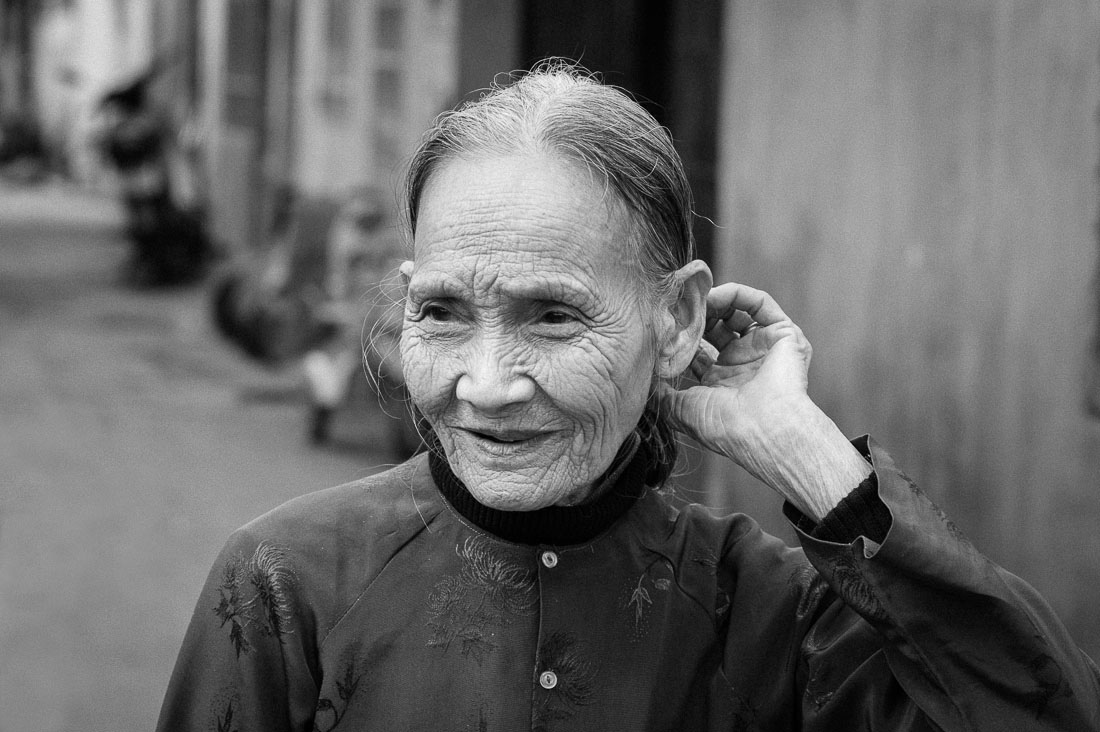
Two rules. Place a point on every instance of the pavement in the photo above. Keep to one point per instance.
(133, 440)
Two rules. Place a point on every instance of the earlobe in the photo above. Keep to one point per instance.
(688, 311)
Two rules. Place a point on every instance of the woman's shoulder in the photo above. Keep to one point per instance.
(385, 501)
(334, 541)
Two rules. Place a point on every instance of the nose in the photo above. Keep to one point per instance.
(492, 382)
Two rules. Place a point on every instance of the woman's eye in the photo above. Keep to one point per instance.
(436, 313)
(557, 317)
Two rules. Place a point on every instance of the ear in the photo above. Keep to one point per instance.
(406, 270)
(687, 311)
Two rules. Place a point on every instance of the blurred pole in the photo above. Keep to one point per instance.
(277, 149)
(16, 56)
(490, 42)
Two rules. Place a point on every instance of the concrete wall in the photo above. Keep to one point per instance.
(916, 183)
(227, 151)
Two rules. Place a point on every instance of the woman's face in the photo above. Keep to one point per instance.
(527, 341)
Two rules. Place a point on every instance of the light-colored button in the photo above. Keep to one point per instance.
(550, 559)
(548, 679)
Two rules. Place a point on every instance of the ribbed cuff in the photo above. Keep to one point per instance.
(860, 513)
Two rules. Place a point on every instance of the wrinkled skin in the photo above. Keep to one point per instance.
(528, 343)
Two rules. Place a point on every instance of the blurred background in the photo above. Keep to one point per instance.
(198, 222)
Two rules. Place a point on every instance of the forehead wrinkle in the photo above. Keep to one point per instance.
(489, 208)
(537, 274)
(497, 234)
(484, 212)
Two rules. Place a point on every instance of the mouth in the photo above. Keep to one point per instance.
(507, 437)
(509, 442)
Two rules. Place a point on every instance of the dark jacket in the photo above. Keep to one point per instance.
(384, 605)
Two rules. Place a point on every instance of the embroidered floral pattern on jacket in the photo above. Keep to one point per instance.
(223, 709)
(808, 586)
(224, 720)
(859, 595)
(640, 601)
(657, 577)
(263, 603)
(330, 712)
(952, 529)
(562, 654)
(488, 593)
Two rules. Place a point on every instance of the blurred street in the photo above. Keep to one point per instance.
(132, 442)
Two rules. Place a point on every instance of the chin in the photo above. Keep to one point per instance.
(513, 477)
(511, 492)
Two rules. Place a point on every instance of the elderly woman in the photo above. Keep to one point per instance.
(526, 572)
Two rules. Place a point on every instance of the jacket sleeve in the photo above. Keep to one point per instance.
(958, 643)
(243, 664)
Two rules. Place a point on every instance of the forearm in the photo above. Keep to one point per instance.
(805, 458)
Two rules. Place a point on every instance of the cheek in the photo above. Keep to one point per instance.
(428, 372)
(603, 383)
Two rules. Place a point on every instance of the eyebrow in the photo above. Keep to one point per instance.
(549, 289)
(436, 284)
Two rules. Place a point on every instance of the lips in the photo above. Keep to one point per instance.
(504, 437)
(495, 442)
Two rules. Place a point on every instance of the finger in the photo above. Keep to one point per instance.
(752, 346)
(705, 357)
(749, 341)
(721, 333)
(724, 301)
(759, 341)
(676, 405)
(737, 323)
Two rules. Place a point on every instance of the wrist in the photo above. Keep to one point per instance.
(801, 454)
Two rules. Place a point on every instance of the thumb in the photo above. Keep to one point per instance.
(681, 408)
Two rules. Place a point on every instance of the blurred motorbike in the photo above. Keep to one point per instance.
(170, 243)
(319, 296)
(22, 152)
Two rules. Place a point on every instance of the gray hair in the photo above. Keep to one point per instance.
(559, 108)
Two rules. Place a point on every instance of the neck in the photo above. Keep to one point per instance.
(613, 494)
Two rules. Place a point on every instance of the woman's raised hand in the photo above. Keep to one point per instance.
(751, 403)
(752, 370)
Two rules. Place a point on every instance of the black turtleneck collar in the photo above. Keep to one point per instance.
(619, 488)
